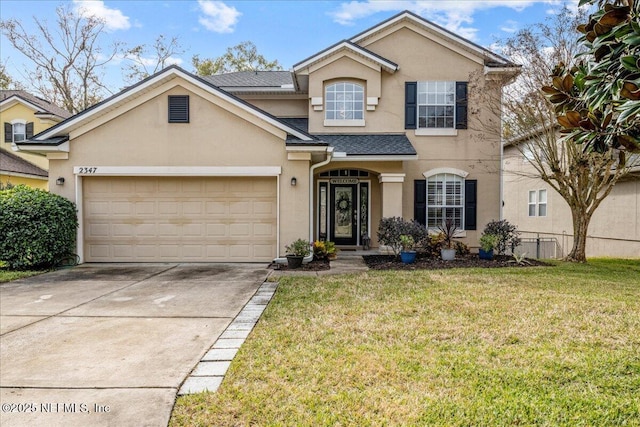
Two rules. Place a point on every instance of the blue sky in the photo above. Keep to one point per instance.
(288, 31)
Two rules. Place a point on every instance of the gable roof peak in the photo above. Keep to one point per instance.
(491, 59)
(384, 63)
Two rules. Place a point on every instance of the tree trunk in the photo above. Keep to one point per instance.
(581, 221)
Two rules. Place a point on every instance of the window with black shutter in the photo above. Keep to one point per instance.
(470, 203)
(29, 130)
(410, 106)
(461, 105)
(436, 105)
(8, 132)
(420, 201)
(178, 109)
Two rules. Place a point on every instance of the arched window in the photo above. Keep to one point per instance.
(344, 101)
(445, 197)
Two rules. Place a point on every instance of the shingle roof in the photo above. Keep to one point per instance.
(45, 105)
(10, 163)
(379, 144)
(370, 144)
(263, 79)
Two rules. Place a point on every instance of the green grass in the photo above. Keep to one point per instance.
(8, 275)
(519, 346)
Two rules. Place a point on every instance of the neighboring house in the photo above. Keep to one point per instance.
(392, 122)
(24, 115)
(16, 170)
(539, 211)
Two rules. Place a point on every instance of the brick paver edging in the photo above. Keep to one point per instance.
(209, 372)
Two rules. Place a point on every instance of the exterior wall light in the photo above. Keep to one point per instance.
(294, 181)
(60, 181)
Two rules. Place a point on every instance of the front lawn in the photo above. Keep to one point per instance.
(538, 346)
(9, 275)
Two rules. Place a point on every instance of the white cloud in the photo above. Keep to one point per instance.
(509, 26)
(219, 17)
(455, 16)
(114, 19)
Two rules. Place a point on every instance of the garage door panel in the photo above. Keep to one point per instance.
(179, 219)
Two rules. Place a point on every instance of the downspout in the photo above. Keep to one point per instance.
(283, 260)
(311, 172)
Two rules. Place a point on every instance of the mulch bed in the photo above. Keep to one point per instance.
(389, 262)
(315, 265)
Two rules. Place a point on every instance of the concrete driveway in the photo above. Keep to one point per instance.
(111, 344)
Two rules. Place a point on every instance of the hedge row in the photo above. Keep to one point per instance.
(37, 228)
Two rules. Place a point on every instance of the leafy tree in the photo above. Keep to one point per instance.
(6, 82)
(242, 57)
(68, 58)
(146, 60)
(584, 178)
(598, 98)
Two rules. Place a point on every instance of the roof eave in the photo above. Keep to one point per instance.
(344, 157)
(156, 80)
(41, 147)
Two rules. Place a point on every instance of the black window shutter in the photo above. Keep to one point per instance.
(461, 105)
(410, 105)
(29, 130)
(470, 203)
(178, 109)
(8, 132)
(420, 201)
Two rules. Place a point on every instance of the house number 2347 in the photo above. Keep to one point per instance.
(87, 170)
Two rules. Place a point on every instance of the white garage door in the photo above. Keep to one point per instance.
(173, 219)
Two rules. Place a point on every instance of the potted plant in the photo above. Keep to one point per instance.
(407, 254)
(296, 252)
(332, 251)
(488, 243)
(448, 229)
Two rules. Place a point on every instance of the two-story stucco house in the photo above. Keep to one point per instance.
(24, 115)
(392, 122)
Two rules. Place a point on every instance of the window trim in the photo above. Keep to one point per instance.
(344, 122)
(545, 203)
(461, 178)
(426, 104)
(537, 203)
(13, 124)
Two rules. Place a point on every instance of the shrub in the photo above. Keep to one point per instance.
(461, 248)
(300, 247)
(38, 228)
(488, 242)
(391, 228)
(434, 243)
(507, 235)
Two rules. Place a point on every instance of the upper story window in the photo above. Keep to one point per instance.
(344, 104)
(436, 104)
(436, 107)
(17, 130)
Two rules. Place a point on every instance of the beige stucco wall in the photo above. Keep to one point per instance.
(615, 226)
(279, 105)
(22, 112)
(214, 137)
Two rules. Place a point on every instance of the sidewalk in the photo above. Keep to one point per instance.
(347, 262)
